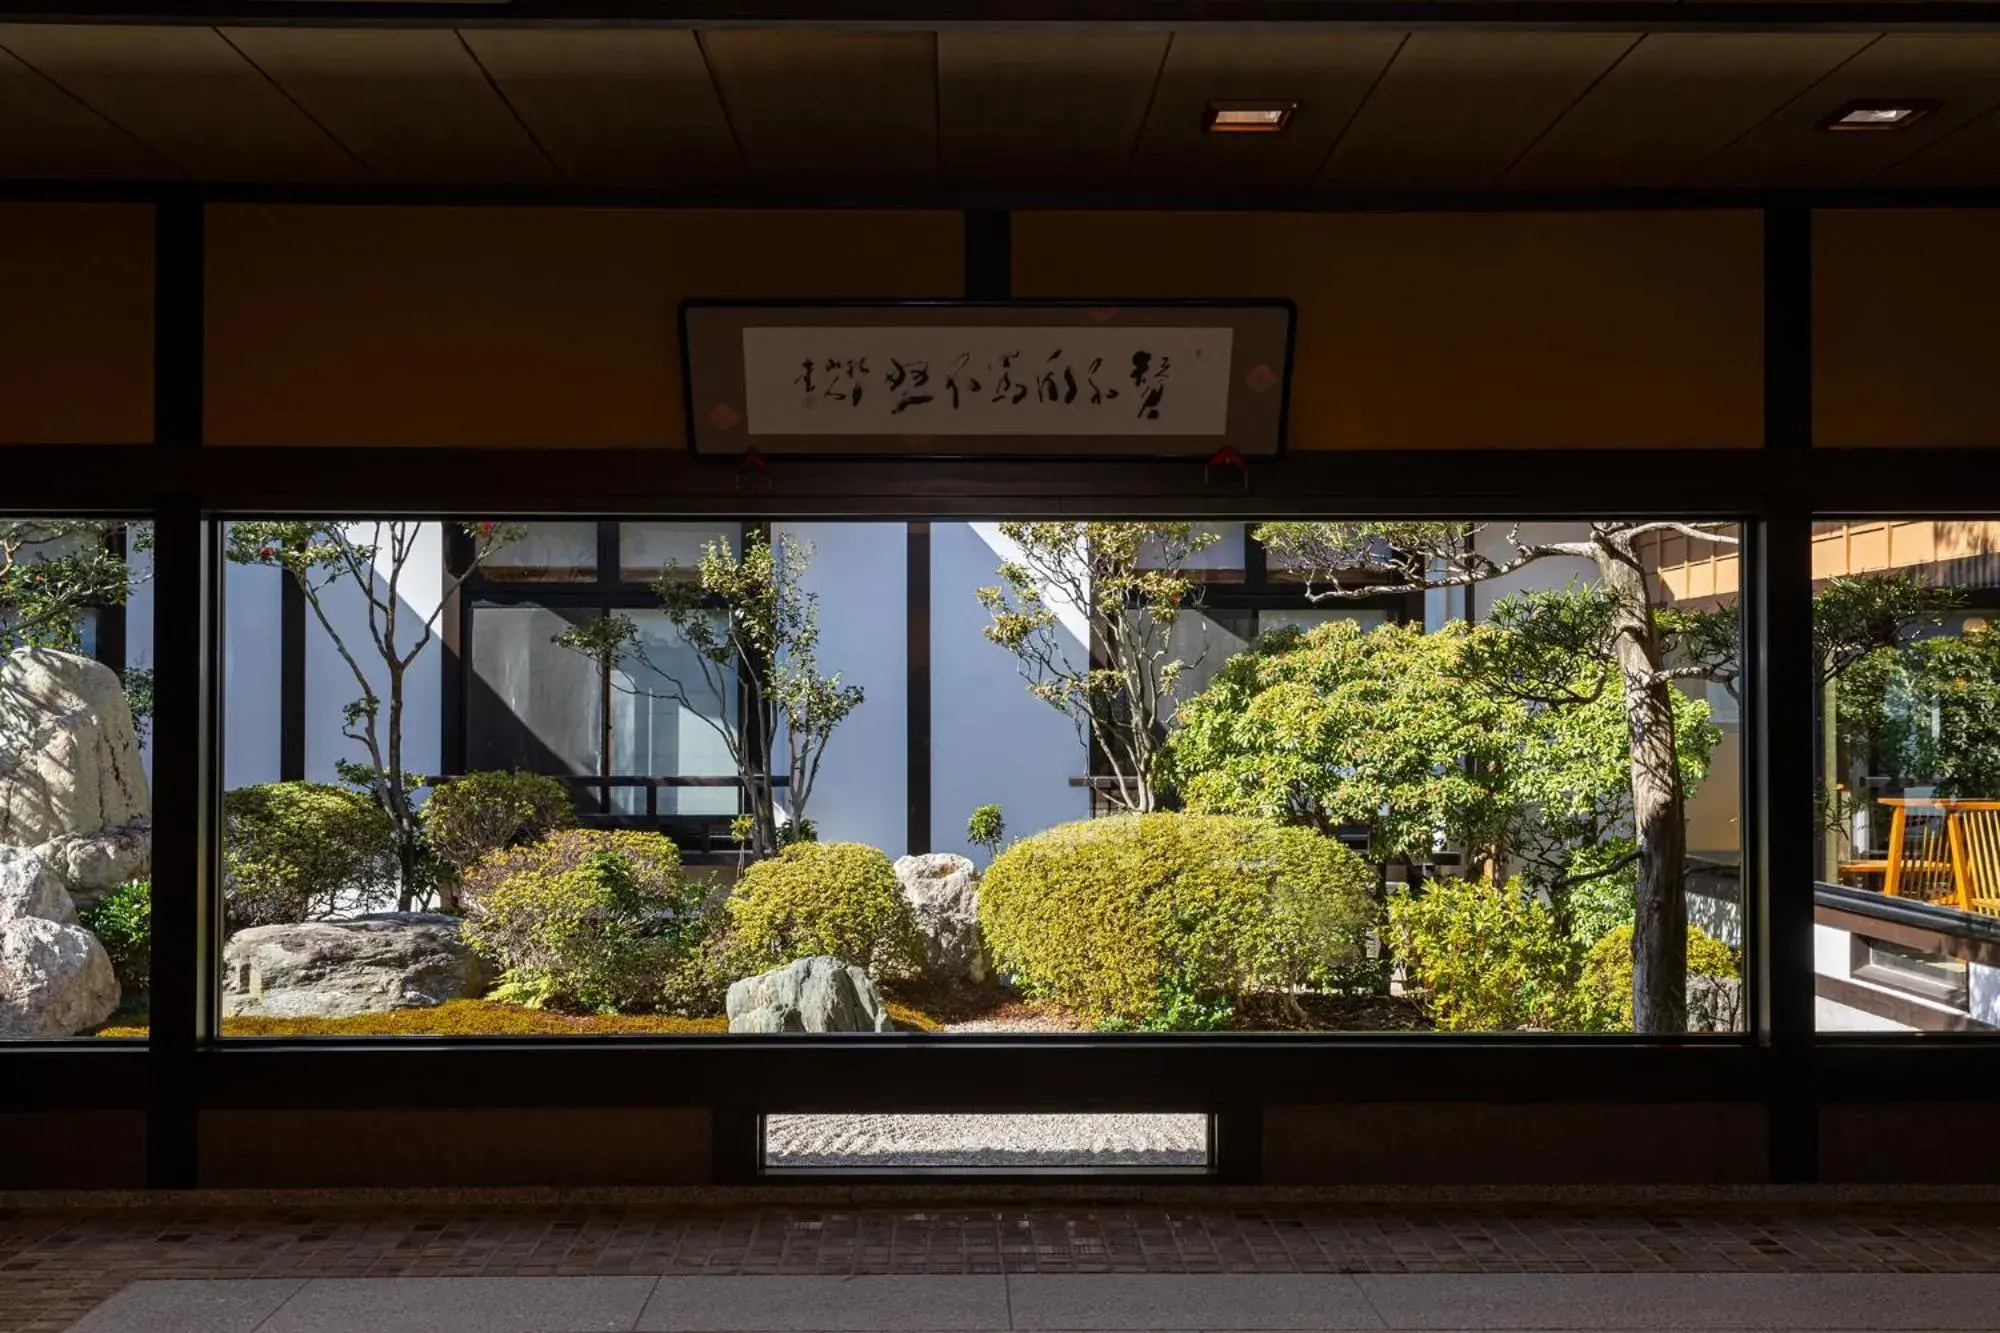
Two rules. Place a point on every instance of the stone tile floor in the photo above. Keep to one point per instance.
(56, 1265)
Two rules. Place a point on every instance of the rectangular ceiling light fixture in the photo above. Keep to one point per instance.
(1248, 117)
(1877, 116)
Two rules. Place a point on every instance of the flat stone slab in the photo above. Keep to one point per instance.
(1055, 1303)
(1188, 1301)
(234, 1306)
(463, 1305)
(1733, 1301)
(871, 1304)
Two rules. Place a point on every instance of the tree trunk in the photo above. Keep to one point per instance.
(404, 828)
(1659, 933)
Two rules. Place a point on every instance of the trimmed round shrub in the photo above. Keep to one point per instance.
(468, 817)
(1165, 920)
(1607, 979)
(835, 898)
(295, 851)
(1323, 909)
(122, 920)
(594, 920)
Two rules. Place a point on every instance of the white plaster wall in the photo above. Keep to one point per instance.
(252, 675)
(1829, 1016)
(330, 684)
(859, 572)
(991, 741)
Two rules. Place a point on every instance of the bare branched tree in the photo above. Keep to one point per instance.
(368, 561)
(1128, 583)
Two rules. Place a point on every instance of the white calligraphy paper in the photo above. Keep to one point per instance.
(839, 380)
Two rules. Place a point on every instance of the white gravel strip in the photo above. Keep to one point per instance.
(1023, 1142)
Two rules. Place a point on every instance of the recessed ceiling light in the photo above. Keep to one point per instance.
(1877, 116)
(1248, 117)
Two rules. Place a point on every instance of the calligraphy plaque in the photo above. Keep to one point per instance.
(955, 379)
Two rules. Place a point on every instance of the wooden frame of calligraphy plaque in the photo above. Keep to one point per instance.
(980, 379)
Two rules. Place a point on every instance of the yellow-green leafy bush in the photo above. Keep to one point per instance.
(294, 851)
(1607, 980)
(835, 898)
(1487, 958)
(468, 817)
(595, 920)
(1164, 920)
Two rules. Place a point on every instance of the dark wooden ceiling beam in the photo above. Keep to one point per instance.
(935, 14)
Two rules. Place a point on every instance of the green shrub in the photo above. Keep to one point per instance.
(122, 920)
(1323, 907)
(482, 812)
(1165, 920)
(836, 898)
(1607, 981)
(986, 827)
(594, 920)
(293, 851)
(1487, 959)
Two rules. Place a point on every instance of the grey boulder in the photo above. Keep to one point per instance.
(55, 980)
(943, 890)
(811, 995)
(69, 757)
(91, 864)
(337, 969)
(30, 887)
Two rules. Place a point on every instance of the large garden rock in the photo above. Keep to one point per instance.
(943, 890)
(811, 995)
(336, 969)
(55, 979)
(29, 887)
(92, 864)
(69, 758)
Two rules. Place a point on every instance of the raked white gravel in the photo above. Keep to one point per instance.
(1004, 1141)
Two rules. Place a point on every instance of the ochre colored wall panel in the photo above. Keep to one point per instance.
(76, 323)
(1903, 308)
(1543, 330)
(510, 326)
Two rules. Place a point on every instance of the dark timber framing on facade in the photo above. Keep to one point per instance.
(1781, 1065)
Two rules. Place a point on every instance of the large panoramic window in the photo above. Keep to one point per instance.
(75, 803)
(1907, 909)
(672, 777)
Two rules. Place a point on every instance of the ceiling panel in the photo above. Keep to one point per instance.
(1455, 109)
(1962, 70)
(189, 95)
(1044, 108)
(46, 134)
(829, 109)
(411, 103)
(1969, 155)
(1327, 74)
(615, 107)
(1674, 101)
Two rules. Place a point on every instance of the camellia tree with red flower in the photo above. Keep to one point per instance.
(342, 566)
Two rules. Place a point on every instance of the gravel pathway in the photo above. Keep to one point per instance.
(1022, 1142)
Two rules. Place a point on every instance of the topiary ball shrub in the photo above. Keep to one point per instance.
(840, 899)
(122, 920)
(468, 817)
(1165, 920)
(1487, 958)
(595, 921)
(296, 851)
(1712, 1007)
